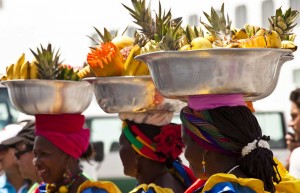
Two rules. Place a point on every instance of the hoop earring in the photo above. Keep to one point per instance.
(203, 166)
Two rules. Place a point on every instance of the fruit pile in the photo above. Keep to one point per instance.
(163, 32)
(46, 65)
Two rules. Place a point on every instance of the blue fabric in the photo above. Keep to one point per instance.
(6, 187)
(94, 190)
(230, 187)
(181, 171)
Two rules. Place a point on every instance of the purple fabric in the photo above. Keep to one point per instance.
(211, 101)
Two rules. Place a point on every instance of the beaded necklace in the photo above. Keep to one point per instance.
(51, 188)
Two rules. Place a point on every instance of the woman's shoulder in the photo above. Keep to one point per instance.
(150, 188)
(90, 186)
(229, 182)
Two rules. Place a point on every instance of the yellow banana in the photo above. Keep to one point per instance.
(10, 72)
(33, 71)
(122, 42)
(286, 44)
(131, 64)
(24, 72)
(273, 39)
(3, 77)
(17, 66)
(142, 69)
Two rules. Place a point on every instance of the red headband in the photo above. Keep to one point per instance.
(65, 131)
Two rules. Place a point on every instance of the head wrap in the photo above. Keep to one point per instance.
(65, 131)
(166, 145)
(199, 125)
(211, 101)
(159, 118)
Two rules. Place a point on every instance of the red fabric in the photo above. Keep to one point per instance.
(199, 183)
(65, 131)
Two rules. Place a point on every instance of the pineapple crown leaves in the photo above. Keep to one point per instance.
(105, 37)
(162, 23)
(47, 62)
(142, 16)
(283, 23)
(191, 33)
(219, 25)
(172, 39)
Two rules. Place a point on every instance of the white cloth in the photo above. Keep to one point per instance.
(151, 118)
(295, 163)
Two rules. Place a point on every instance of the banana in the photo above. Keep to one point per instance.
(3, 77)
(142, 69)
(286, 44)
(131, 64)
(24, 72)
(17, 66)
(273, 39)
(33, 71)
(122, 42)
(10, 72)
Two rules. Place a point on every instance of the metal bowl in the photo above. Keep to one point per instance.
(130, 94)
(252, 72)
(49, 96)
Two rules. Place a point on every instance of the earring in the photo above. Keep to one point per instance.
(203, 165)
(67, 175)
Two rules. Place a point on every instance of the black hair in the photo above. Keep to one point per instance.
(295, 97)
(88, 154)
(241, 127)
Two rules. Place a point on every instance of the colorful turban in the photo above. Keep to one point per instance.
(65, 131)
(166, 145)
(199, 125)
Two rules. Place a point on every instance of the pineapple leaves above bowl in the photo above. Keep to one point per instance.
(47, 86)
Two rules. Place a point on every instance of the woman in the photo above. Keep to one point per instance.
(226, 149)
(60, 141)
(149, 149)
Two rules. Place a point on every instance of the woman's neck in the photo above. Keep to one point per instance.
(14, 177)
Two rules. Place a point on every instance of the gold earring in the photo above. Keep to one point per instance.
(203, 166)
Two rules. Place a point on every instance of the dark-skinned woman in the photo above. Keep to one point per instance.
(150, 149)
(60, 141)
(226, 149)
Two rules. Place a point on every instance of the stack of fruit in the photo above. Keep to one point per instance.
(46, 65)
(114, 55)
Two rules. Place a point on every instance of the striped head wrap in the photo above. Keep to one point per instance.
(166, 145)
(199, 125)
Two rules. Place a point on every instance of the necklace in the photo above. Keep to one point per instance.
(63, 188)
(233, 168)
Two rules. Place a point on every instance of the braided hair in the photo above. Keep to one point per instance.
(241, 127)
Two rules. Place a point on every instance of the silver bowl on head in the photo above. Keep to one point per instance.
(49, 96)
(130, 94)
(253, 72)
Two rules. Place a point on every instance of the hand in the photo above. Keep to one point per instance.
(291, 142)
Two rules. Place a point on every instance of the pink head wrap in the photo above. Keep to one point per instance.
(65, 131)
(211, 101)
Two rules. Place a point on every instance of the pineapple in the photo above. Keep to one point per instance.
(219, 27)
(48, 63)
(283, 23)
(163, 29)
(161, 33)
